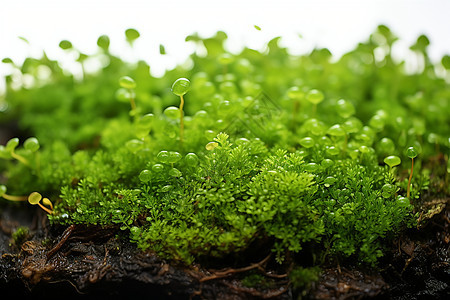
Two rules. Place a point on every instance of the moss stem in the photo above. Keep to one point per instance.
(45, 208)
(14, 198)
(20, 158)
(408, 190)
(181, 118)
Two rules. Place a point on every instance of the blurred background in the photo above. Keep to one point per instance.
(303, 25)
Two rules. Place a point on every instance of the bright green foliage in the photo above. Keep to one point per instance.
(302, 278)
(271, 154)
(20, 235)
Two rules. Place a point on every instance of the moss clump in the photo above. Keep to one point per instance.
(271, 149)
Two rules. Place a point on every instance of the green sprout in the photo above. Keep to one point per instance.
(180, 87)
(35, 198)
(131, 35)
(411, 152)
(345, 108)
(170, 157)
(315, 97)
(296, 95)
(8, 151)
(307, 142)
(337, 131)
(128, 85)
(3, 194)
(392, 161)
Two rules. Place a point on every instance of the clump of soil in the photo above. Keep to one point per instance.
(80, 260)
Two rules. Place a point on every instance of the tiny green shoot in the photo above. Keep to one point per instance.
(10, 197)
(35, 198)
(180, 87)
(129, 84)
(412, 153)
(315, 97)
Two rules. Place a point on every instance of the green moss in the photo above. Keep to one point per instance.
(20, 235)
(264, 151)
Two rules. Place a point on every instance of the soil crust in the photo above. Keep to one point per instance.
(87, 261)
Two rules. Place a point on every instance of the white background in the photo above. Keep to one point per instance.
(336, 24)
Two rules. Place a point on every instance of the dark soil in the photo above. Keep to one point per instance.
(94, 261)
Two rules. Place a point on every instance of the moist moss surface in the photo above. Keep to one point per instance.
(315, 161)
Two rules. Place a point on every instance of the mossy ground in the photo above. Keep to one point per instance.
(264, 172)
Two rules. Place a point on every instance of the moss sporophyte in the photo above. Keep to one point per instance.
(180, 87)
(298, 153)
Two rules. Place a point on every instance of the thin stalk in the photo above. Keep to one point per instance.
(294, 114)
(14, 198)
(132, 102)
(21, 159)
(181, 118)
(408, 190)
(45, 208)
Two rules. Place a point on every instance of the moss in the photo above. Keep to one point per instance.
(267, 148)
